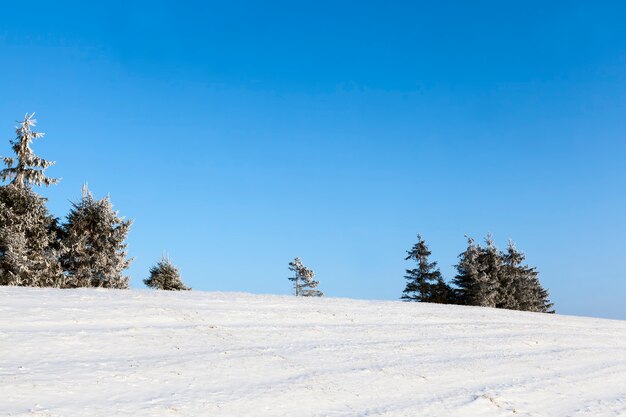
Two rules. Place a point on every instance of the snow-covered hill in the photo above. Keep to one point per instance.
(145, 353)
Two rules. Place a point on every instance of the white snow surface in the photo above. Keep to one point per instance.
(141, 353)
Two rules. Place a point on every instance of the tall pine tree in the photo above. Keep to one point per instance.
(512, 279)
(526, 290)
(489, 269)
(29, 235)
(466, 280)
(94, 240)
(508, 278)
(425, 282)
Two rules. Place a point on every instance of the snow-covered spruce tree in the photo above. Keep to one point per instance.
(466, 279)
(526, 290)
(540, 300)
(29, 235)
(489, 269)
(165, 276)
(29, 243)
(94, 240)
(303, 283)
(508, 278)
(425, 282)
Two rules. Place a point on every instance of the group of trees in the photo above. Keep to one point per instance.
(485, 277)
(89, 249)
(36, 250)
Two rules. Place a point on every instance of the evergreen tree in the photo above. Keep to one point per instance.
(540, 300)
(165, 276)
(527, 292)
(29, 238)
(441, 293)
(512, 282)
(508, 278)
(489, 270)
(425, 282)
(94, 240)
(29, 244)
(466, 279)
(303, 282)
(27, 168)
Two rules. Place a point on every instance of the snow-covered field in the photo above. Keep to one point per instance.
(145, 353)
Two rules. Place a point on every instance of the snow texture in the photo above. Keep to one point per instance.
(98, 352)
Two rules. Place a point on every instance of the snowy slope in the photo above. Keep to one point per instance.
(144, 353)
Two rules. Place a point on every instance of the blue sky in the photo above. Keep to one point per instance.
(240, 135)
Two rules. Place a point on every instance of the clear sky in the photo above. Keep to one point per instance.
(239, 135)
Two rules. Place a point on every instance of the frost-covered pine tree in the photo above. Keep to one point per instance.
(94, 241)
(489, 269)
(165, 276)
(466, 279)
(526, 290)
(29, 235)
(425, 282)
(512, 279)
(539, 301)
(303, 283)
(508, 278)
(26, 168)
(29, 244)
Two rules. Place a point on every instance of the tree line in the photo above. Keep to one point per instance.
(88, 249)
(485, 276)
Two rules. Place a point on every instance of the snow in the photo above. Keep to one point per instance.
(137, 353)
